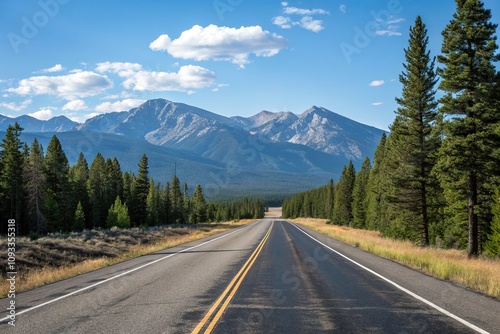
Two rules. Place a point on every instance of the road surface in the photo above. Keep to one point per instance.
(267, 277)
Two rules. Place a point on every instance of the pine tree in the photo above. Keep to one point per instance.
(359, 195)
(79, 218)
(78, 176)
(199, 207)
(153, 204)
(342, 208)
(376, 193)
(413, 143)
(176, 201)
(11, 176)
(118, 215)
(34, 186)
(95, 186)
(472, 111)
(56, 169)
(141, 191)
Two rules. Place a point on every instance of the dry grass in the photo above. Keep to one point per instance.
(480, 274)
(57, 257)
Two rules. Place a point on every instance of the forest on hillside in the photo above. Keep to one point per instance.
(435, 178)
(44, 194)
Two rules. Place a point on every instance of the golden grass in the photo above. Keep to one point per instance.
(35, 278)
(479, 274)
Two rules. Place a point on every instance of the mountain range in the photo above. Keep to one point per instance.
(268, 153)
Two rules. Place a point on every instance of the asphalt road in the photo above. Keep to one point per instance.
(267, 277)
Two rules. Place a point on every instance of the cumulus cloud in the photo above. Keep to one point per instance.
(221, 44)
(126, 104)
(42, 114)
(376, 104)
(75, 105)
(187, 78)
(16, 107)
(376, 83)
(71, 86)
(307, 21)
(55, 68)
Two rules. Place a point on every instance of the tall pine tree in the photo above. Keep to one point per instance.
(141, 192)
(359, 195)
(96, 190)
(56, 169)
(376, 193)
(11, 176)
(34, 186)
(413, 143)
(471, 112)
(342, 207)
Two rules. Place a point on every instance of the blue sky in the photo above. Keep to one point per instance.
(232, 57)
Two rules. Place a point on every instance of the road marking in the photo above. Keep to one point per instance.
(230, 290)
(414, 295)
(125, 273)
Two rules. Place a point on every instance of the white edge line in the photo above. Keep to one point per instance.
(124, 273)
(414, 295)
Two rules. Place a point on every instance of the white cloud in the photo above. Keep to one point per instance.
(55, 68)
(388, 27)
(71, 86)
(221, 44)
(42, 114)
(282, 22)
(126, 104)
(307, 21)
(16, 107)
(75, 105)
(120, 68)
(343, 9)
(310, 24)
(302, 11)
(387, 32)
(376, 104)
(376, 83)
(187, 78)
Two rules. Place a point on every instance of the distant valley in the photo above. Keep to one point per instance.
(268, 153)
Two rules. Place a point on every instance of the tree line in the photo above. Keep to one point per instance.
(435, 178)
(44, 194)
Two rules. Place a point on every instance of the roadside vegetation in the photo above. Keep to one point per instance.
(480, 274)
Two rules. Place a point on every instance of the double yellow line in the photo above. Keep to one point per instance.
(230, 291)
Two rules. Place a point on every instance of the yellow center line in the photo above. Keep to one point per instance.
(231, 290)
